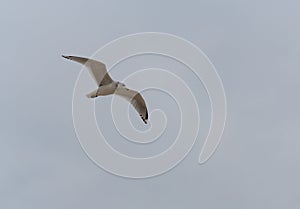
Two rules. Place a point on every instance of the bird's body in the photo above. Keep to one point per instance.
(107, 86)
(104, 90)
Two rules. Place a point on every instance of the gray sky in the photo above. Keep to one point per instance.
(253, 44)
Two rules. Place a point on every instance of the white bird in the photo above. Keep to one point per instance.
(107, 86)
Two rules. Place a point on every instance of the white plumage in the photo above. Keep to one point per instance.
(107, 86)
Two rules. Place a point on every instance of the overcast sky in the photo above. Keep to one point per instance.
(255, 48)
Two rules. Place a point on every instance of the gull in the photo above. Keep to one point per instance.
(107, 86)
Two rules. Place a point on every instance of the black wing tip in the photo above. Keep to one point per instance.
(66, 57)
(145, 119)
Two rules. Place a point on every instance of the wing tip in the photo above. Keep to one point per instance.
(145, 119)
(66, 57)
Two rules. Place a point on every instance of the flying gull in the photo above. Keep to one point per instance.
(106, 85)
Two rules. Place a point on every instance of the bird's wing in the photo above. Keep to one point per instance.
(136, 99)
(96, 68)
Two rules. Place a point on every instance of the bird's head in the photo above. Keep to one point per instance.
(121, 84)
